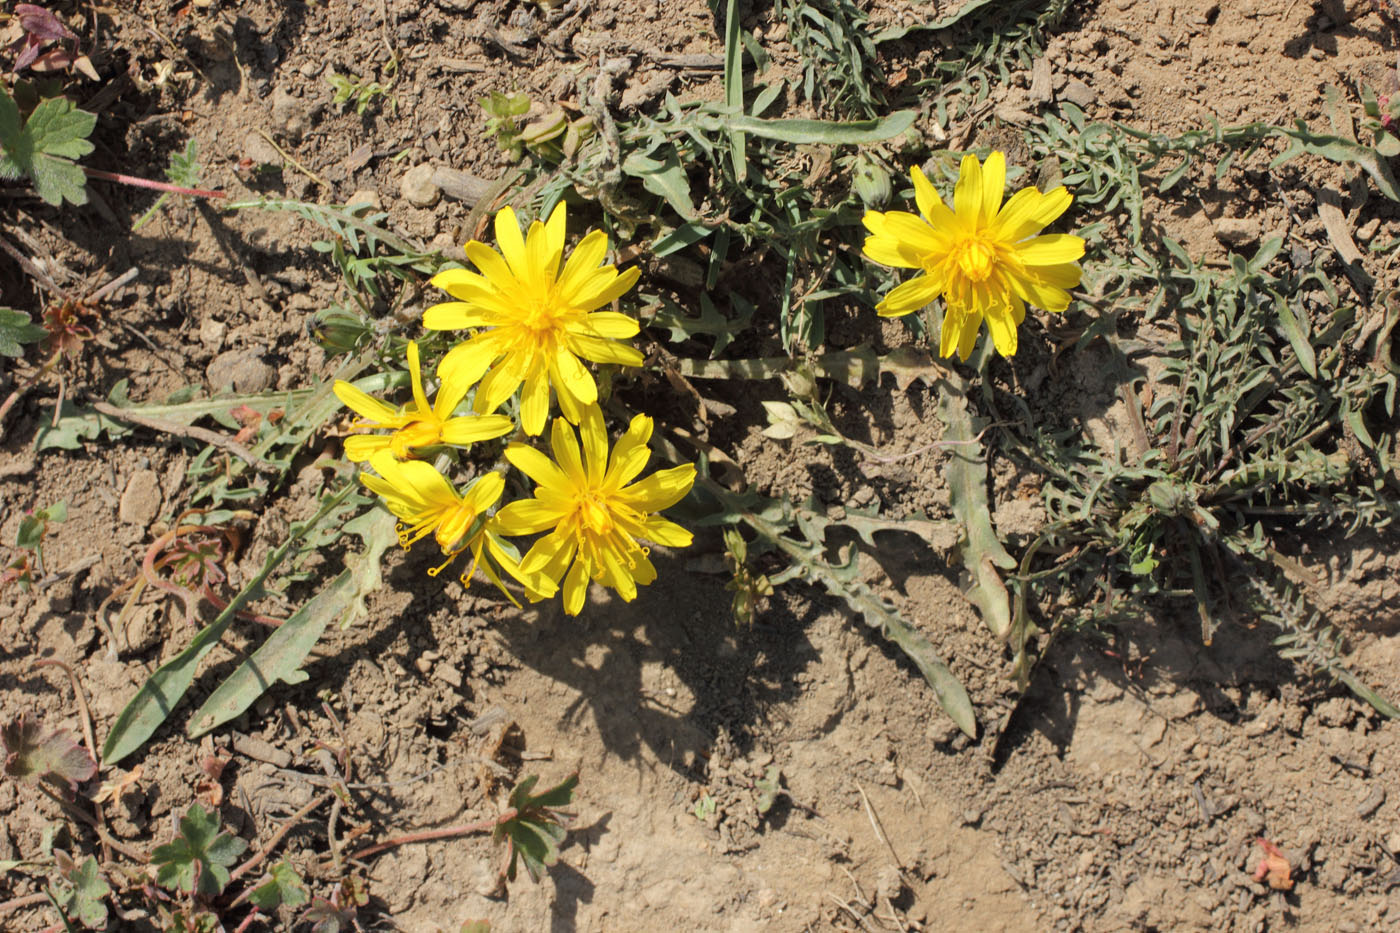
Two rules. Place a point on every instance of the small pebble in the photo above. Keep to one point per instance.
(243, 371)
(140, 503)
(1237, 231)
(418, 187)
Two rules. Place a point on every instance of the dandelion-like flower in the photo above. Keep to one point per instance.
(426, 503)
(596, 520)
(980, 255)
(418, 424)
(538, 323)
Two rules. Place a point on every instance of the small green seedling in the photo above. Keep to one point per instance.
(352, 90)
(30, 540)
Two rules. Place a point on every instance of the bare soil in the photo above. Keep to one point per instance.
(1125, 791)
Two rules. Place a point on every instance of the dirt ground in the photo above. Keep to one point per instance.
(1125, 791)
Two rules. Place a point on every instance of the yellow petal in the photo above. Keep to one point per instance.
(1003, 328)
(583, 262)
(493, 267)
(594, 435)
(538, 467)
(485, 491)
(1036, 291)
(464, 364)
(555, 227)
(550, 556)
(415, 478)
(667, 533)
(415, 375)
(1049, 250)
(910, 296)
(367, 406)
(954, 320)
(361, 447)
(543, 263)
(924, 194)
(575, 589)
(916, 234)
(967, 195)
(1029, 211)
(570, 374)
(469, 429)
(599, 350)
(968, 338)
(534, 401)
(629, 455)
(528, 517)
(511, 243)
(566, 453)
(993, 186)
(501, 381)
(660, 490)
(891, 252)
(600, 290)
(610, 324)
(456, 315)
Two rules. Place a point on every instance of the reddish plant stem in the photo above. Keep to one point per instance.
(149, 183)
(276, 839)
(87, 820)
(445, 833)
(26, 901)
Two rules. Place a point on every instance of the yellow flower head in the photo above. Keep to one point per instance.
(538, 321)
(595, 519)
(425, 503)
(981, 256)
(418, 424)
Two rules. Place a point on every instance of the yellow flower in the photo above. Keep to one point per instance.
(596, 518)
(537, 321)
(416, 425)
(981, 256)
(425, 503)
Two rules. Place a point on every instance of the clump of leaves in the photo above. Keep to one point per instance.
(39, 29)
(1263, 421)
(34, 754)
(535, 831)
(503, 113)
(29, 538)
(198, 859)
(354, 91)
(44, 147)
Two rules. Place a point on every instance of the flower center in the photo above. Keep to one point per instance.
(595, 515)
(975, 258)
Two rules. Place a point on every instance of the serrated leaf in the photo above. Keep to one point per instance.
(982, 551)
(33, 754)
(16, 329)
(58, 128)
(199, 857)
(281, 887)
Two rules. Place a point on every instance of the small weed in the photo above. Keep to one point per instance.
(25, 569)
(354, 91)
